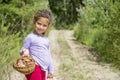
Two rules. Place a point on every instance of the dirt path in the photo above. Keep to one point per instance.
(72, 61)
(81, 65)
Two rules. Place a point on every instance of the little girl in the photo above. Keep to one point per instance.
(36, 45)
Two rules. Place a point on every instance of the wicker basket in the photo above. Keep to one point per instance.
(24, 65)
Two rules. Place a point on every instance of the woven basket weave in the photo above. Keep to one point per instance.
(27, 66)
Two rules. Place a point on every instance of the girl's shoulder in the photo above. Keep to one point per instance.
(34, 36)
(29, 36)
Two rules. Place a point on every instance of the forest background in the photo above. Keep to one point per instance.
(96, 23)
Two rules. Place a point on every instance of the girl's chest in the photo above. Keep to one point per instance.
(40, 42)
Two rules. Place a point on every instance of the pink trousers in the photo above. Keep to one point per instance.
(37, 74)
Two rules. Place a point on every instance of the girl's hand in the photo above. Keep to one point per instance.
(25, 52)
(50, 75)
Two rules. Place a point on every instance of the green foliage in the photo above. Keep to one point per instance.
(99, 27)
(9, 48)
(15, 22)
(66, 11)
(19, 14)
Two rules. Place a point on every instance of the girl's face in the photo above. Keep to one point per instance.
(41, 25)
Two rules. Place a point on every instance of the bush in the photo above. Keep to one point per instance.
(99, 27)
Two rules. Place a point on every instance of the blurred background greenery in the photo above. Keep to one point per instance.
(96, 23)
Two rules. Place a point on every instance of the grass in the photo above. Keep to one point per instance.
(69, 68)
(9, 50)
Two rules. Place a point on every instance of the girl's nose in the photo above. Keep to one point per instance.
(41, 26)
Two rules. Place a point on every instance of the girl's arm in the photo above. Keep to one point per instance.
(25, 47)
(50, 67)
(50, 70)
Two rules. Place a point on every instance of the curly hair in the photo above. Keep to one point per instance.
(43, 13)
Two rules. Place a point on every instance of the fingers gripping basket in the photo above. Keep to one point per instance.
(24, 65)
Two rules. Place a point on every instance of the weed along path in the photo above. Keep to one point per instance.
(73, 61)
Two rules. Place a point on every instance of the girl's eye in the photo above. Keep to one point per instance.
(39, 23)
(44, 25)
